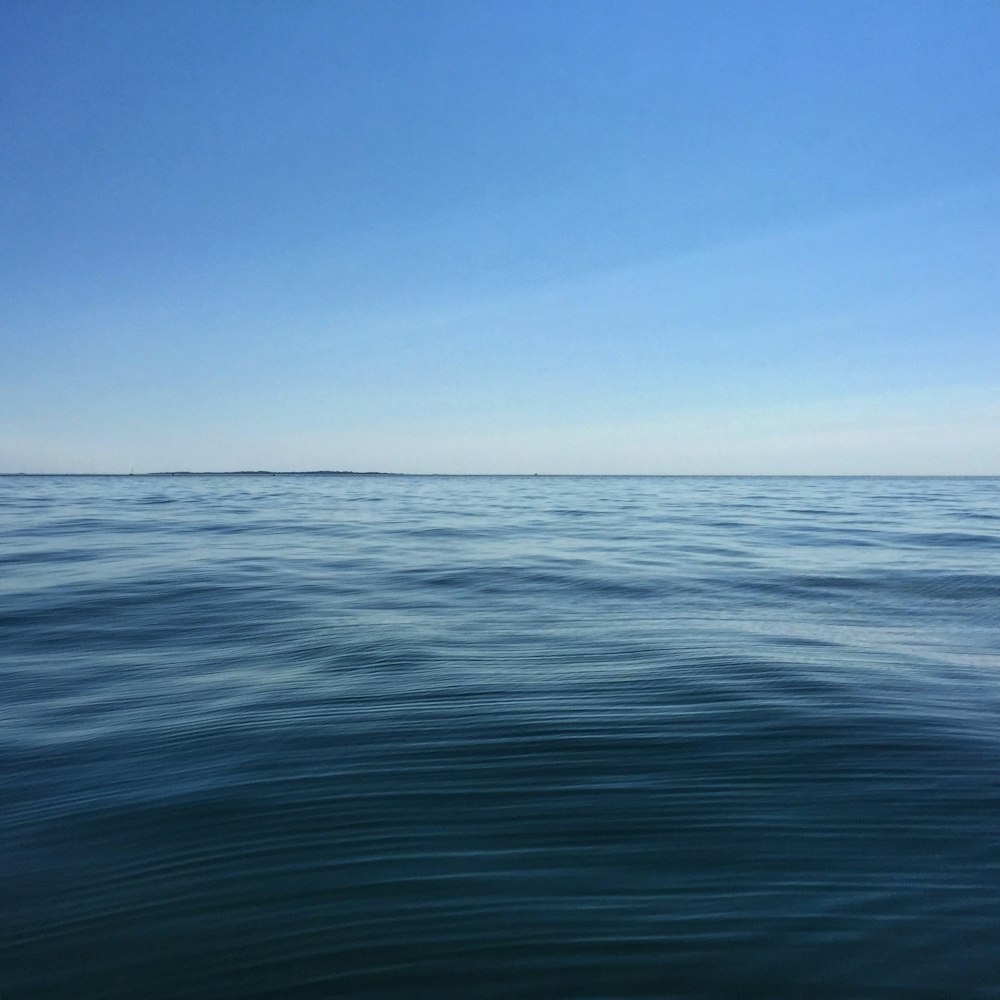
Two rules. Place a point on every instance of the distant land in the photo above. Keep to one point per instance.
(269, 472)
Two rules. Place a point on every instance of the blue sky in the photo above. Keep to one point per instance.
(613, 237)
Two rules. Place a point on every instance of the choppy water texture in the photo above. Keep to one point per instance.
(284, 736)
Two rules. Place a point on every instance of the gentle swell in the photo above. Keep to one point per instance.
(500, 738)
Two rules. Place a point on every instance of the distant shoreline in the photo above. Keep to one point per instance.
(267, 472)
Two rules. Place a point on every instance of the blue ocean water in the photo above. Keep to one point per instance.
(408, 737)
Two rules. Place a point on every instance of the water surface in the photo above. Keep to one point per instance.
(397, 737)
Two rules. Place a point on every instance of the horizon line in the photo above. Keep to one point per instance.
(523, 475)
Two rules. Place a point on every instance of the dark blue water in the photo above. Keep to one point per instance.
(499, 737)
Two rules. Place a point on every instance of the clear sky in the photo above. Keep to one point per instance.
(612, 237)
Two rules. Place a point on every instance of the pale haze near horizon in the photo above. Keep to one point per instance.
(500, 237)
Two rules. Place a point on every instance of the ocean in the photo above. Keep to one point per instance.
(307, 736)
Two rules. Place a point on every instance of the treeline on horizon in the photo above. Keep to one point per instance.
(269, 472)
